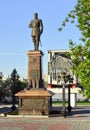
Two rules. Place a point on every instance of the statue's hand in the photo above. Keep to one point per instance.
(29, 26)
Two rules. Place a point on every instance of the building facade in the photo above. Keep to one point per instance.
(59, 61)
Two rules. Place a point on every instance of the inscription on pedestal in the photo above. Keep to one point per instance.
(33, 103)
(34, 74)
(35, 66)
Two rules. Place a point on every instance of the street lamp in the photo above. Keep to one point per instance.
(64, 106)
(14, 79)
(70, 79)
(64, 80)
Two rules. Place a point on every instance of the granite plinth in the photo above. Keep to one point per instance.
(33, 102)
(35, 69)
(33, 93)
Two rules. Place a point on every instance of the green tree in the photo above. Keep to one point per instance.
(16, 86)
(15, 83)
(10, 87)
(81, 65)
(82, 13)
(4, 89)
(1, 90)
(80, 53)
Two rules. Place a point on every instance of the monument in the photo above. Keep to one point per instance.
(34, 100)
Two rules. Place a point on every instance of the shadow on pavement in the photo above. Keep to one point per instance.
(80, 112)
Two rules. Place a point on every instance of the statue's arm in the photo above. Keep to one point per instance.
(30, 25)
(41, 27)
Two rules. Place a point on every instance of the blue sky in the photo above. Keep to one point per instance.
(15, 36)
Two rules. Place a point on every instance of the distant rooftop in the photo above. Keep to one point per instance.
(58, 50)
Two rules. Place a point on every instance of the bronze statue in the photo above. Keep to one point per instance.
(37, 29)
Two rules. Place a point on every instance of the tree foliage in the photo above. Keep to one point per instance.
(9, 87)
(1, 90)
(80, 53)
(4, 89)
(82, 13)
(15, 83)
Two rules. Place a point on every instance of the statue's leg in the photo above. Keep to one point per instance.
(37, 42)
(34, 41)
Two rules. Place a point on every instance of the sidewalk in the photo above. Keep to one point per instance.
(79, 119)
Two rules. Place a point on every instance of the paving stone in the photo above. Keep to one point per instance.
(79, 119)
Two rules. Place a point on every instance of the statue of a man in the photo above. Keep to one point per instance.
(37, 29)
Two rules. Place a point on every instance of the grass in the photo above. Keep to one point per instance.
(84, 103)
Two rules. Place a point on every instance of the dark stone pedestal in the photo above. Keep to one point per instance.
(35, 69)
(33, 102)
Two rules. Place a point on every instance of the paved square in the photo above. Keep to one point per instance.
(79, 119)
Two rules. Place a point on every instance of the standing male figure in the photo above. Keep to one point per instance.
(37, 29)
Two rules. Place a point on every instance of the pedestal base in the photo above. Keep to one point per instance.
(33, 102)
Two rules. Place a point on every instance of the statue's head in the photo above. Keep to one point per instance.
(35, 15)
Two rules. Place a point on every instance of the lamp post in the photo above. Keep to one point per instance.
(70, 79)
(13, 80)
(64, 106)
(64, 80)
